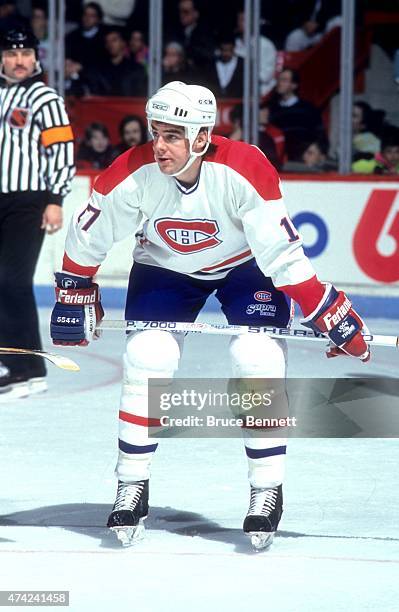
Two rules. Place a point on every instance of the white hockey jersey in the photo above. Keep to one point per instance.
(234, 212)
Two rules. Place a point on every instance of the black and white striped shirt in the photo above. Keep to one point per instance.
(36, 141)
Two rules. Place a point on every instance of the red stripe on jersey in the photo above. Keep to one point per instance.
(138, 420)
(307, 294)
(71, 266)
(248, 161)
(228, 261)
(123, 166)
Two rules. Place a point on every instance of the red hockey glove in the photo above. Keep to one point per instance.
(77, 311)
(335, 317)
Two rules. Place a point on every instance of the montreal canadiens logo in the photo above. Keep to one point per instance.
(263, 296)
(188, 235)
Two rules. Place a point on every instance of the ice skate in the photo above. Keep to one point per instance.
(129, 511)
(15, 387)
(12, 387)
(263, 516)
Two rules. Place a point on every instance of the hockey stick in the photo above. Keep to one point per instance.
(231, 330)
(59, 360)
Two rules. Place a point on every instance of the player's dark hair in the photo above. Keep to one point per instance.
(211, 150)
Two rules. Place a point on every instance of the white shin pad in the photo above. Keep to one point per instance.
(259, 356)
(149, 354)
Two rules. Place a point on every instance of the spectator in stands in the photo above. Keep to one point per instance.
(39, 25)
(366, 126)
(298, 119)
(195, 37)
(314, 159)
(236, 120)
(138, 49)
(96, 150)
(132, 132)
(226, 76)
(273, 131)
(116, 12)
(119, 75)
(266, 142)
(278, 19)
(267, 55)
(303, 37)
(86, 44)
(10, 18)
(73, 14)
(76, 83)
(314, 17)
(174, 64)
(384, 162)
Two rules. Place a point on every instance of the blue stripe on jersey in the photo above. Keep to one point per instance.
(259, 453)
(133, 449)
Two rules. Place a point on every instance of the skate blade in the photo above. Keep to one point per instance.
(261, 540)
(14, 391)
(129, 536)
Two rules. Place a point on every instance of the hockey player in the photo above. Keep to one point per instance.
(208, 215)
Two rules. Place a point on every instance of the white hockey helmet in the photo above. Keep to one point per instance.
(190, 106)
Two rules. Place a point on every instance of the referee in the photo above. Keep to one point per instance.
(36, 168)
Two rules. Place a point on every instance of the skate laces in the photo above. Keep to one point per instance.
(128, 495)
(263, 501)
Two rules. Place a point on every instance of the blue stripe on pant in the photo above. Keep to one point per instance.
(133, 449)
(260, 453)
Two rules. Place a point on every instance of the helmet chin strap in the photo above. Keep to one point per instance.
(193, 156)
(37, 70)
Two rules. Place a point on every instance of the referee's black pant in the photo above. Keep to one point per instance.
(20, 242)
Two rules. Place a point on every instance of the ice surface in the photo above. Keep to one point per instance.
(338, 544)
